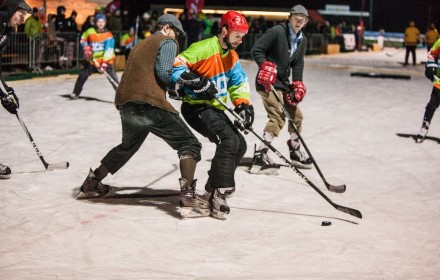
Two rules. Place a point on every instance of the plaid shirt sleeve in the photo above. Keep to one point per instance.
(165, 60)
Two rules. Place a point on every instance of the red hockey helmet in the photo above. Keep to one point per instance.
(234, 22)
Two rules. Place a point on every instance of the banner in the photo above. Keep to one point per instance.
(194, 7)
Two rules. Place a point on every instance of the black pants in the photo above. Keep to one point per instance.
(412, 50)
(138, 121)
(432, 105)
(88, 70)
(219, 129)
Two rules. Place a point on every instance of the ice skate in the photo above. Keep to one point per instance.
(73, 96)
(5, 172)
(219, 205)
(191, 204)
(92, 187)
(263, 164)
(423, 132)
(299, 159)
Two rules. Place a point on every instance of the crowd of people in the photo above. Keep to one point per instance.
(203, 77)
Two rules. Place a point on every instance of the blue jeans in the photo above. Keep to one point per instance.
(218, 128)
(138, 120)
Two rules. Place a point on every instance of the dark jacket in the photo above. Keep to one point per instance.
(275, 47)
(7, 9)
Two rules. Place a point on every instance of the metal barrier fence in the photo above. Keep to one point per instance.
(62, 50)
(46, 52)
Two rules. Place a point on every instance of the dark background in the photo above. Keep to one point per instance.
(390, 15)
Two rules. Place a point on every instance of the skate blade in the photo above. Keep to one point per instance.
(218, 214)
(83, 195)
(189, 212)
(5, 176)
(267, 171)
(194, 203)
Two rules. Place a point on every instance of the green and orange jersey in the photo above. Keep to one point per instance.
(127, 41)
(207, 59)
(434, 61)
(102, 43)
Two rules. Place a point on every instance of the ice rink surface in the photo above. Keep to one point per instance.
(274, 229)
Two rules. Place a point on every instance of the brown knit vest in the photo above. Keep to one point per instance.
(139, 82)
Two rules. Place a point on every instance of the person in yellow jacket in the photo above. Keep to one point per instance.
(412, 36)
(431, 36)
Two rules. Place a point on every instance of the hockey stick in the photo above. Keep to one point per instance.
(330, 187)
(112, 81)
(394, 53)
(344, 209)
(48, 166)
(115, 83)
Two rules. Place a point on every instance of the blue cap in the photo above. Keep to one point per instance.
(100, 16)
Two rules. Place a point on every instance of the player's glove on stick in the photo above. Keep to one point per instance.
(246, 112)
(296, 93)
(202, 87)
(87, 52)
(10, 101)
(430, 72)
(267, 75)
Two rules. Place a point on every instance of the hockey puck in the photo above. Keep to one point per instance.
(326, 223)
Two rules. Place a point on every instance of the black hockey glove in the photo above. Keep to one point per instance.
(246, 112)
(10, 101)
(202, 87)
(430, 72)
(176, 92)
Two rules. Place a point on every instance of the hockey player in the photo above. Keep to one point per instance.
(12, 14)
(99, 53)
(207, 69)
(280, 53)
(144, 108)
(432, 72)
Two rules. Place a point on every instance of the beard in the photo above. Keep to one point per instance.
(228, 43)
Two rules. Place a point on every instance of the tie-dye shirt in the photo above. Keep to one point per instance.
(206, 58)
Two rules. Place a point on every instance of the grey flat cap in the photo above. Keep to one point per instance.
(173, 21)
(299, 9)
(24, 6)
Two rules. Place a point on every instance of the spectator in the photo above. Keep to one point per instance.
(412, 37)
(90, 22)
(431, 36)
(33, 29)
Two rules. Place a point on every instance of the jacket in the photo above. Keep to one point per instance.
(275, 47)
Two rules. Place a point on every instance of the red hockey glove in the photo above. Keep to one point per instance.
(104, 66)
(267, 75)
(297, 93)
(87, 52)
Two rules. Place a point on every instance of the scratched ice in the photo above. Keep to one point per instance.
(274, 229)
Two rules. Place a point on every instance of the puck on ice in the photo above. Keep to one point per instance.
(326, 223)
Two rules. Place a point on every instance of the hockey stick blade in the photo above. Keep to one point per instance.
(57, 166)
(350, 211)
(336, 189)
